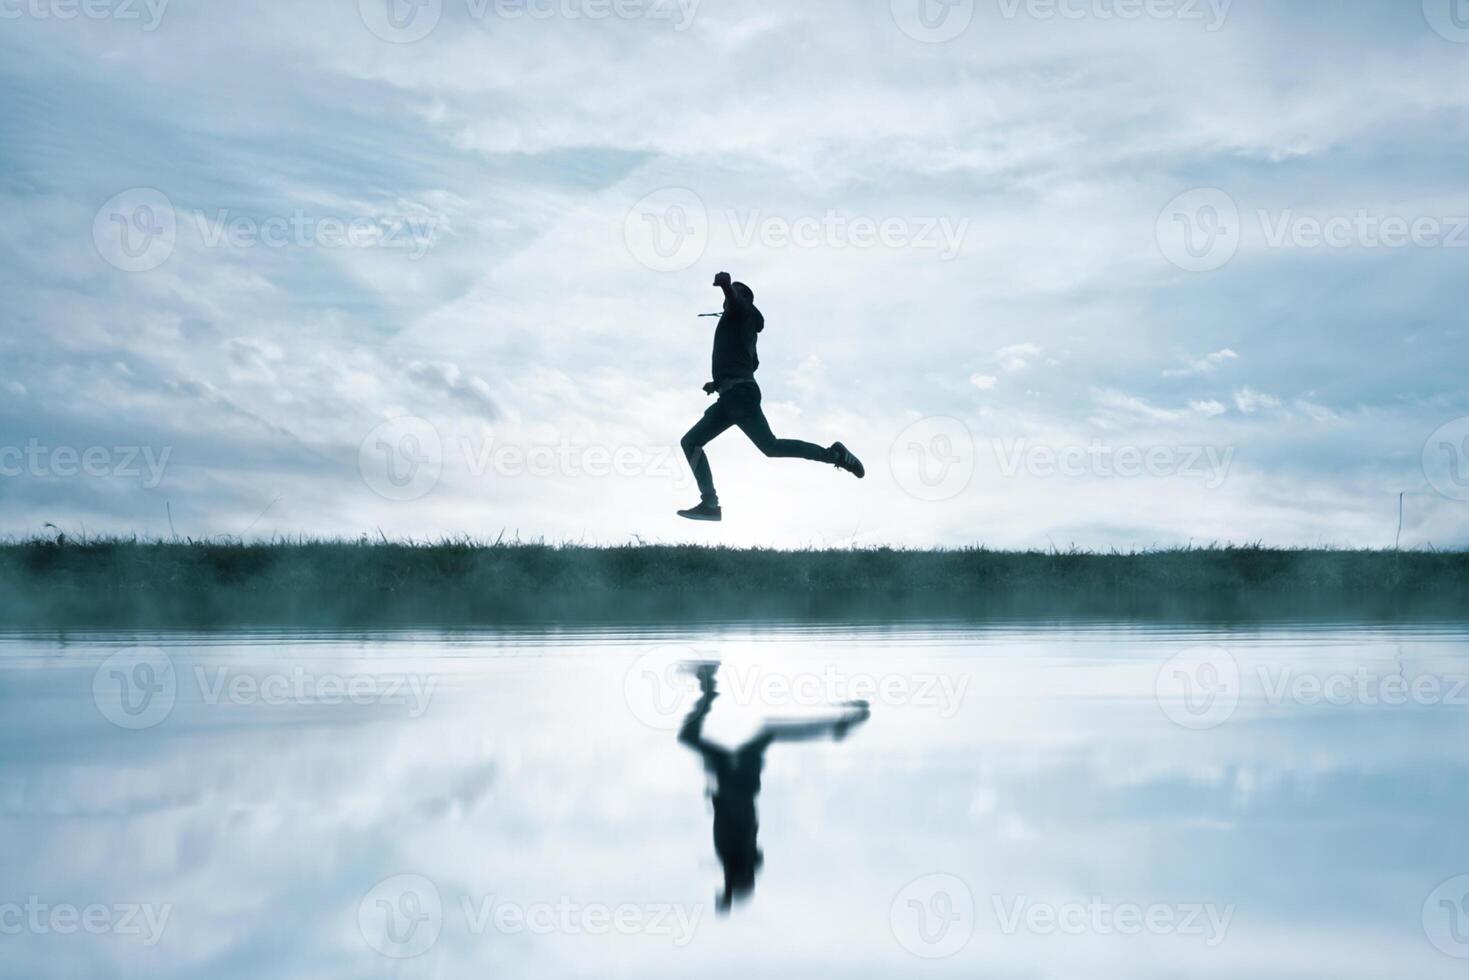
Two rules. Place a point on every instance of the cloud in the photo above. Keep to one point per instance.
(1134, 406)
(470, 392)
(1204, 365)
(254, 358)
(1249, 401)
(1017, 357)
(984, 382)
(1317, 413)
(1209, 408)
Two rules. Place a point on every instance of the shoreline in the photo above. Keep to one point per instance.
(128, 584)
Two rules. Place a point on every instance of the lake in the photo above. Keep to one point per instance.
(1001, 801)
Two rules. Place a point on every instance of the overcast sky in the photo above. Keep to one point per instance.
(1088, 271)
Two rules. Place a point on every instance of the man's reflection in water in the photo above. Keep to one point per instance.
(735, 775)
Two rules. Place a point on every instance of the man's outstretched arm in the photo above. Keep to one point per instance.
(731, 296)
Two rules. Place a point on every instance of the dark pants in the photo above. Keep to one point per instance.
(741, 406)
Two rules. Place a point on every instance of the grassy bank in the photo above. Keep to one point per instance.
(142, 584)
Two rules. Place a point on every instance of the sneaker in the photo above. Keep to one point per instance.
(846, 461)
(703, 512)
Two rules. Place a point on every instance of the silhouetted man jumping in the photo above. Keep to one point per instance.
(735, 364)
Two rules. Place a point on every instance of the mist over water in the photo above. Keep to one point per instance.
(1013, 801)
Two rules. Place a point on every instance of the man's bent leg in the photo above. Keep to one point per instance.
(710, 427)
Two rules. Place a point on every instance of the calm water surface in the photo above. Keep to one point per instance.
(1011, 802)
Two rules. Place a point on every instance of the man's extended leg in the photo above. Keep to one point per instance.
(710, 427)
(750, 417)
(752, 422)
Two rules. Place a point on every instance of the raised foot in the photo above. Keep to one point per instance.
(846, 461)
(704, 512)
